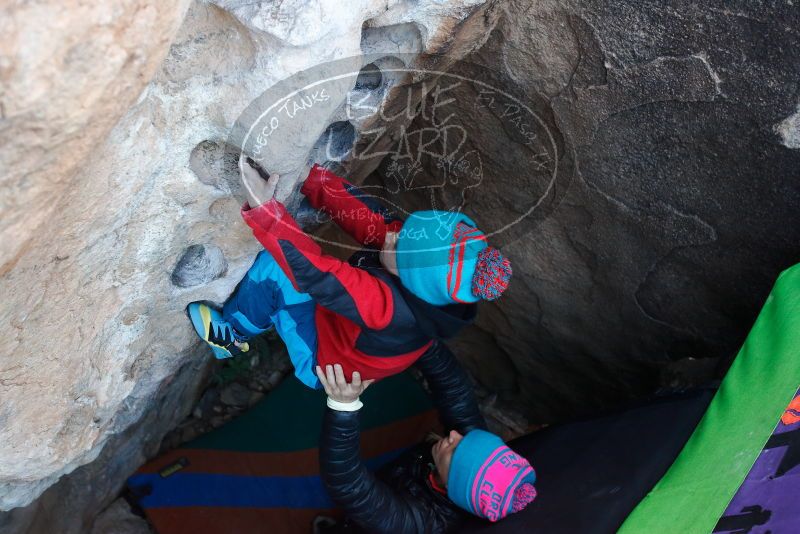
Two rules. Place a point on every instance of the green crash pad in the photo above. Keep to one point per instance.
(763, 379)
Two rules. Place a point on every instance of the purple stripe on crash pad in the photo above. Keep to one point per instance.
(768, 498)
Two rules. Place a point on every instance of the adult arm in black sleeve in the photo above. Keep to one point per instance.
(367, 501)
(451, 388)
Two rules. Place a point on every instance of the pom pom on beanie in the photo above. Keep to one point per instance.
(492, 273)
(523, 496)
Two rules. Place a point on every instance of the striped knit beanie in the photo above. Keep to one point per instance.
(444, 259)
(488, 479)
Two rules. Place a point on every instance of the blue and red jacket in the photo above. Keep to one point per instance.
(366, 320)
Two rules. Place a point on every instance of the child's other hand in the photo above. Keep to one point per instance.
(257, 188)
(336, 386)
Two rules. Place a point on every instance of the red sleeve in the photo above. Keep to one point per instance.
(356, 212)
(334, 284)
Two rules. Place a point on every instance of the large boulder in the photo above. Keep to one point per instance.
(121, 205)
(659, 185)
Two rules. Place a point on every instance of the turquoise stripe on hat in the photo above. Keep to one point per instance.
(424, 248)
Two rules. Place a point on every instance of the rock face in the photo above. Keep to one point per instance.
(120, 207)
(118, 519)
(669, 136)
(69, 71)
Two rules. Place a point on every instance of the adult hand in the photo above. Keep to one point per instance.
(336, 386)
(257, 188)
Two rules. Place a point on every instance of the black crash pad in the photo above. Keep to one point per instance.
(592, 473)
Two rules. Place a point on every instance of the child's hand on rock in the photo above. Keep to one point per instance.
(257, 188)
(336, 386)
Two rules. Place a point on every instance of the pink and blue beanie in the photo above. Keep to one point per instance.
(488, 479)
(444, 259)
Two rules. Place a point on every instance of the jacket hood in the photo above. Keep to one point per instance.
(439, 322)
(436, 322)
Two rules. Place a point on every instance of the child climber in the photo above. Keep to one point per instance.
(417, 282)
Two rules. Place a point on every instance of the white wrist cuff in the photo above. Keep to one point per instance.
(344, 406)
